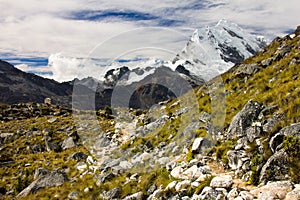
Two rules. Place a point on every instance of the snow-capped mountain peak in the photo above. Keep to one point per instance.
(214, 49)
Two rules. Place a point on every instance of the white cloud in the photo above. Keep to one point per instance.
(41, 28)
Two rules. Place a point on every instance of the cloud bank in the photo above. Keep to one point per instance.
(33, 31)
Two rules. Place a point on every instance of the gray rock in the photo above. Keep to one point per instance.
(52, 120)
(125, 165)
(81, 166)
(267, 195)
(182, 185)
(68, 143)
(210, 193)
(267, 62)
(192, 173)
(78, 156)
(233, 194)
(101, 141)
(246, 195)
(109, 163)
(113, 194)
(273, 190)
(163, 160)
(40, 172)
(247, 69)
(223, 181)
(73, 195)
(294, 195)
(235, 158)
(275, 141)
(101, 178)
(171, 186)
(135, 196)
(157, 194)
(171, 165)
(200, 144)
(243, 119)
(54, 178)
(151, 189)
(176, 172)
(181, 111)
(293, 130)
(253, 132)
(242, 143)
(276, 168)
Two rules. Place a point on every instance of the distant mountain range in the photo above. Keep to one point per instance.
(209, 52)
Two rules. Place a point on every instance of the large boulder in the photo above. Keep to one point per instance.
(293, 130)
(113, 194)
(54, 178)
(224, 181)
(243, 119)
(295, 194)
(200, 144)
(273, 190)
(276, 168)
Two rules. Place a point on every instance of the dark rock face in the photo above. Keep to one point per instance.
(276, 168)
(78, 156)
(17, 86)
(113, 194)
(55, 178)
(276, 141)
(30, 110)
(244, 119)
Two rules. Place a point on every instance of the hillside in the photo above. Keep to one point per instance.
(17, 86)
(234, 137)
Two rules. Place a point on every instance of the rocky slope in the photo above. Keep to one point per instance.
(245, 147)
(17, 86)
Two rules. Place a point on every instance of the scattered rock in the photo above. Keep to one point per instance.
(81, 166)
(171, 186)
(78, 156)
(267, 62)
(200, 144)
(235, 158)
(293, 195)
(176, 172)
(246, 195)
(73, 195)
(273, 190)
(182, 185)
(292, 130)
(233, 194)
(113, 194)
(224, 181)
(247, 69)
(135, 196)
(210, 193)
(54, 178)
(40, 172)
(52, 120)
(68, 143)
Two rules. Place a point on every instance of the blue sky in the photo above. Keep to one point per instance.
(32, 32)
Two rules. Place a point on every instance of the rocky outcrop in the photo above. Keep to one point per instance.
(54, 178)
(248, 115)
(276, 141)
(276, 168)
